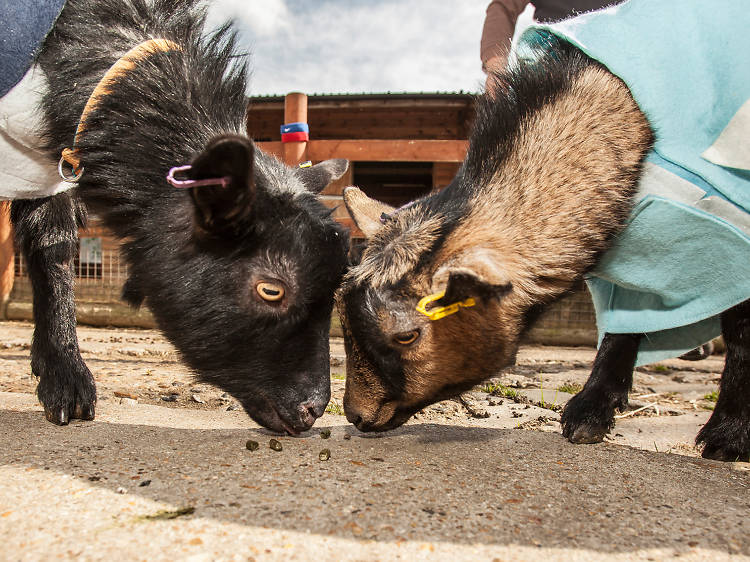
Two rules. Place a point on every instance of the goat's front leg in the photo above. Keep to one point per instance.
(726, 435)
(590, 414)
(47, 231)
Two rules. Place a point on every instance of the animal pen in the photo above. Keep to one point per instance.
(400, 146)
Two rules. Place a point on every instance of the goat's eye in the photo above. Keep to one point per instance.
(406, 338)
(270, 291)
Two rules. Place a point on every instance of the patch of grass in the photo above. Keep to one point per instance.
(570, 387)
(335, 408)
(338, 376)
(712, 396)
(542, 402)
(165, 514)
(659, 368)
(501, 390)
(549, 406)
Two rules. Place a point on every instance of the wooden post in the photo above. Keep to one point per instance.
(295, 110)
(6, 256)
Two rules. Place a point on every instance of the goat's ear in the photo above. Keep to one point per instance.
(366, 212)
(317, 177)
(219, 207)
(476, 273)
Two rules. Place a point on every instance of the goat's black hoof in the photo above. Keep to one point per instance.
(725, 439)
(586, 433)
(84, 411)
(67, 394)
(62, 416)
(587, 419)
(58, 416)
(726, 454)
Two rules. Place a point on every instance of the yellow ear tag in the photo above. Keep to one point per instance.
(441, 311)
(307, 164)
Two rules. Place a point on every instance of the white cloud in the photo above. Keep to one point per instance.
(263, 19)
(340, 46)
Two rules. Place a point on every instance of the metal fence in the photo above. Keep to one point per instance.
(100, 272)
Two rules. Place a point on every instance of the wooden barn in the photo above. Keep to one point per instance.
(400, 146)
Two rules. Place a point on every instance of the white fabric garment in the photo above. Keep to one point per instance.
(26, 170)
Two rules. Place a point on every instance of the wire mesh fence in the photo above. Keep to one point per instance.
(99, 269)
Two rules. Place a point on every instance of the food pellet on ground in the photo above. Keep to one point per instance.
(275, 445)
(252, 445)
(324, 455)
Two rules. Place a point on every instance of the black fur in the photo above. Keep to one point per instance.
(194, 256)
(726, 435)
(589, 415)
(362, 321)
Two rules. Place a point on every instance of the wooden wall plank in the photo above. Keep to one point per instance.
(389, 150)
(379, 150)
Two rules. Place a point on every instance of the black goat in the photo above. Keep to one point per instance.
(239, 268)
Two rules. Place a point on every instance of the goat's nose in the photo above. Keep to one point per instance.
(355, 417)
(310, 411)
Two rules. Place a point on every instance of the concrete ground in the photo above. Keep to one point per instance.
(164, 473)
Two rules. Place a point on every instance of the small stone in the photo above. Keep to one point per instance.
(145, 483)
(198, 399)
(128, 402)
(123, 394)
(324, 455)
(347, 436)
(551, 427)
(325, 433)
(121, 490)
(232, 407)
(275, 445)
(252, 445)
(170, 397)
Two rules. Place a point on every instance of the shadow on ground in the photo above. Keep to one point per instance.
(432, 483)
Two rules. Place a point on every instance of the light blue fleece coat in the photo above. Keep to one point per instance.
(685, 255)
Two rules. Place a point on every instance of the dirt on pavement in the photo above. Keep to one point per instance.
(163, 472)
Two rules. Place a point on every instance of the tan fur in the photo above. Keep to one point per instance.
(388, 256)
(530, 214)
(366, 212)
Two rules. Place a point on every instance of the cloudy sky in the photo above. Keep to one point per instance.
(345, 46)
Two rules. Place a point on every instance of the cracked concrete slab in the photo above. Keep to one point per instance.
(151, 480)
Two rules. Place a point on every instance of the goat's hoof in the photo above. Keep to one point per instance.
(84, 411)
(726, 454)
(58, 416)
(725, 438)
(62, 404)
(586, 433)
(61, 416)
(587, 418)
